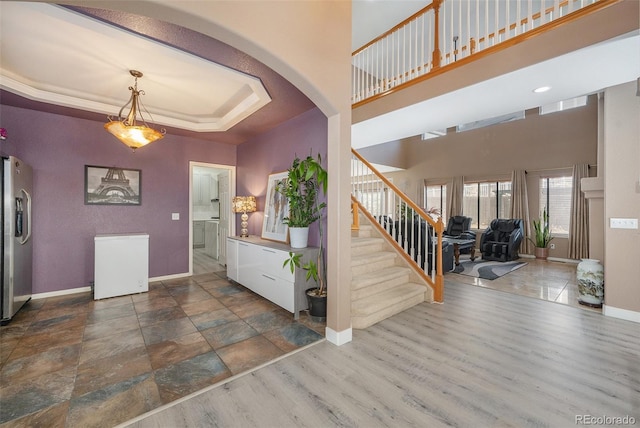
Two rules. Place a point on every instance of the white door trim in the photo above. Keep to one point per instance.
(232, 191)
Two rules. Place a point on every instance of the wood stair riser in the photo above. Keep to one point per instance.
(359, 293)
(374, 265)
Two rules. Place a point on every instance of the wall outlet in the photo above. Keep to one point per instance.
(175, 216)
(552, 246)
(623, 223)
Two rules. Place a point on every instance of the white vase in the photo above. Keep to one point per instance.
(298, 237)
(590, 276)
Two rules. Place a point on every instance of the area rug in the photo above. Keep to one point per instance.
(486, 269)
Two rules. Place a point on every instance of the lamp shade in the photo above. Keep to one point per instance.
(244, 204)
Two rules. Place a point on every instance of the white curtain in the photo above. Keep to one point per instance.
(579, 225)
(455, 195)
(520, 206)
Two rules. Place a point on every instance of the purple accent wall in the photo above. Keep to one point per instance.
(273, 152)
(58, 147)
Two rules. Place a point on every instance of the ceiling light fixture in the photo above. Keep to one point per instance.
(125, 129)
(542, 89)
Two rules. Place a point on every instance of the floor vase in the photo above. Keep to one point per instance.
(590, 276)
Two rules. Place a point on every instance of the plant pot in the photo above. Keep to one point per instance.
(590, 276)
(298, 237)
(317, 305)
(542, 253)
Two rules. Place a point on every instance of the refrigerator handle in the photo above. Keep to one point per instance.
(26, 238)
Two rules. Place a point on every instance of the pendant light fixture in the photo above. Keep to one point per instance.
(125, 129)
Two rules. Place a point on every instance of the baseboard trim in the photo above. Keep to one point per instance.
(169, 277)
(85, 289)
(551, 259)
(60, 293)
(623, 314)
(339, 337)
(559, 259)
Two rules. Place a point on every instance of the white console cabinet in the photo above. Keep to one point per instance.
(257, 264)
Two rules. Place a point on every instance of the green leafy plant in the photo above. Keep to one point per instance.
(306, 178)
(311, 267)
(542, 232)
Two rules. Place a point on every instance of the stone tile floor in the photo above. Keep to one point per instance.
(71, 361)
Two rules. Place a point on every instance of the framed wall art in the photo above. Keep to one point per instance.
(105, 185)
(276, 208)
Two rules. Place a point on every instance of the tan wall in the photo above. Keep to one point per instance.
(542, 145)
(622, 196)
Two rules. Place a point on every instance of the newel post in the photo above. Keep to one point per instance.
(435, 59)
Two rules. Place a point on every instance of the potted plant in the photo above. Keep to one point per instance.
(304, 182)
(542, 236)
(305, 179)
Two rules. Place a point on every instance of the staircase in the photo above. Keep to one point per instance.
(382, 284)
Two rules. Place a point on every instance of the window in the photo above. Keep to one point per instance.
(564, 105)
(436, 196)
(485, 201)
(374, 196)
(491, 121)
(555, 195)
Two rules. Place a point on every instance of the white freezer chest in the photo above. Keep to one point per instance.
(121, 265)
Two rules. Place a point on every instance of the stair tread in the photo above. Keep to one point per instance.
(378, 301)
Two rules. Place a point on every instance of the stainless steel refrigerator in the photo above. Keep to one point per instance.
(17, 241)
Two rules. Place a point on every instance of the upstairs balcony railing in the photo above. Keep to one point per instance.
(447, 31)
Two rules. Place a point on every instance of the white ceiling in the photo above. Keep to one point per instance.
(80, 62)
(65, 58)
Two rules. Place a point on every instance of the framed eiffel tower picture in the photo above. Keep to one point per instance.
(110, 185)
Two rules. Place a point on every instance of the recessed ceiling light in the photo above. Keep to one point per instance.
(542, 89)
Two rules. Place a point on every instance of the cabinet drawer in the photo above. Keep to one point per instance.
(272, 261)
(278, 291)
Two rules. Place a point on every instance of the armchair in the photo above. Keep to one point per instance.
(501, 240)
(459, 226)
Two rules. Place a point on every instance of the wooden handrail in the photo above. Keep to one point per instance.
(403, 196)
(438, 226)
(438, 284)
(400, 25)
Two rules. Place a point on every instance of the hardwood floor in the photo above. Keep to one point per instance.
(484, 358)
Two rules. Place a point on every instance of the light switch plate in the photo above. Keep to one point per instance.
(623, 223)
(175, 216)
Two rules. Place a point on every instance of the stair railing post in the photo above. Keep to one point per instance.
(438, 292)
(435, 58)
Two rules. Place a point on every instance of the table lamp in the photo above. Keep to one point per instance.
(244, 205)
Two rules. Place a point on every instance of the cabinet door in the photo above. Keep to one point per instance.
(197, 189)
(232, 259)
(198, 234)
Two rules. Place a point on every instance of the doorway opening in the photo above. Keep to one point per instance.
(211, 187)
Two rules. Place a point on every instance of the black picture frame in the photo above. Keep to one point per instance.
(111, 185)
